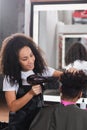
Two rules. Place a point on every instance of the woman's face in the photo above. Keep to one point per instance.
(26, 58)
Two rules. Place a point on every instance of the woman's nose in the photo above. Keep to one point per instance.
(31, 60)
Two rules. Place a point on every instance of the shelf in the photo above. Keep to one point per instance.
(53, 98)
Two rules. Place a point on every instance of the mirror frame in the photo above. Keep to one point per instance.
(48, 97)
(57, 5)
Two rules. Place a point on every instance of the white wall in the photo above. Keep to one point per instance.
(47, 35)
(11, 17)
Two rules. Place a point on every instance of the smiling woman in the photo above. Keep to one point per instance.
(26, 58)
(21, 57)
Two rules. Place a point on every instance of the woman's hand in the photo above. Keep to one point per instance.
(73, 70)
(36, 89)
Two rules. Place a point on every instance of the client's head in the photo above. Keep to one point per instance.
(72, 85)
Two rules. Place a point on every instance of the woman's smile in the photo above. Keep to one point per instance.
(26, 58)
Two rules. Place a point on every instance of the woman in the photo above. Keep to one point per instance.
(21, 58)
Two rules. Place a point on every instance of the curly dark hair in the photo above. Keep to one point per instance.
(76, 52)
(73, 83)
(10, 60)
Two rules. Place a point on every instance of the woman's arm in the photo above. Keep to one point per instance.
(16, 104)
(57, 73)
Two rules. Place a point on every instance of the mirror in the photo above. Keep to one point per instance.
(53, 23)
(65, 42)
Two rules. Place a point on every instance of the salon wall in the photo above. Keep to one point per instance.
(11, 17)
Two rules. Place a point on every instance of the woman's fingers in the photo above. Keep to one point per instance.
(73, 70)
(37, 89)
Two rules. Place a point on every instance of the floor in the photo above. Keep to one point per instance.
(4, 112)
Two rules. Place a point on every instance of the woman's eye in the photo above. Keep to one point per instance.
(24, 59)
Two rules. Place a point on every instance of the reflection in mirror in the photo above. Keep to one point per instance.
(67, 16)
(52, 21)
(65, 42)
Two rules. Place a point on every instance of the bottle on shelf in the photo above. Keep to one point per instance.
(83, 104)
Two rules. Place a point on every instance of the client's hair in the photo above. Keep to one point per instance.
(73, 83)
